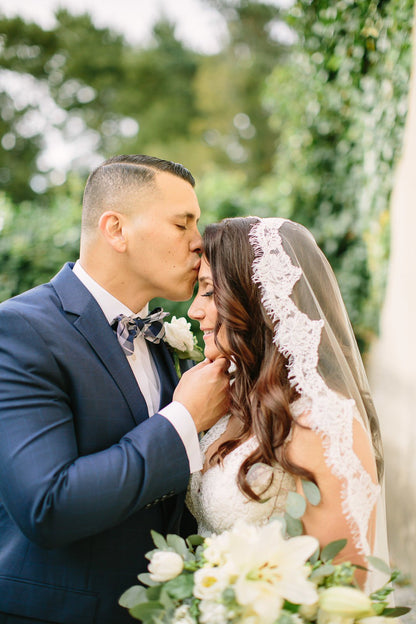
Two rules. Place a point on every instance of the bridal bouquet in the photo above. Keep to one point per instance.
(252, 575)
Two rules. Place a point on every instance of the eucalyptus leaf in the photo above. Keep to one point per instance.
(133, 596)
(379, 564)
(150, 554)
(195, 540)
(295, 505)
(396, 612)
(180, 587)
(325, 570)
(153, 592)
(147, 611)
(294, 527)
(146, 580)
(311, 492)
(159, 540)
(314, 558)
(332, 549)
(166, 600)
(178, 544)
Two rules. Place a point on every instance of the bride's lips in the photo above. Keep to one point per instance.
(207, 332)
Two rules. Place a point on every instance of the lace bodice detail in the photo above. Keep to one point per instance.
(215, 499)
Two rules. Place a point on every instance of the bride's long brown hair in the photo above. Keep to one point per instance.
(261, 393)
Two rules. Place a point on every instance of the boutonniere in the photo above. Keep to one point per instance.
(181, 342)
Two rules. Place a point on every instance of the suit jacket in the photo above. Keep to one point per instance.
(84, 473)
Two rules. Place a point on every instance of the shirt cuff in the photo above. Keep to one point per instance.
(182, 421)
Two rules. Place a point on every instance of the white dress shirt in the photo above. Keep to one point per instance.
(145, 372)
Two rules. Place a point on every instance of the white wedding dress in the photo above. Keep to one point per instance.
(216, 501)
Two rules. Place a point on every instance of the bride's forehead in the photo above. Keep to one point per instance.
(204, 270)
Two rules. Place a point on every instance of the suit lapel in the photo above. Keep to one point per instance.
(90, 321)
(166, 370)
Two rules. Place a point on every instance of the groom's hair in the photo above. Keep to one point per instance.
(113, 178)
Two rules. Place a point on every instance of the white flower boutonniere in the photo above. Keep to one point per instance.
(182, 342)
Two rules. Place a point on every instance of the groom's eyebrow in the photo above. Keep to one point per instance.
(186, 215)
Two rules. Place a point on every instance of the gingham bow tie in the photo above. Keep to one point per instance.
(128, 327)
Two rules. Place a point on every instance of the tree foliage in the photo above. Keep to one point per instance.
(340, 113)
(300, 115)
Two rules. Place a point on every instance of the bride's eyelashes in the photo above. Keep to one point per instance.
(208, 294)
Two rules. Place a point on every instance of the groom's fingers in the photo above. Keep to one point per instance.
(204, 391)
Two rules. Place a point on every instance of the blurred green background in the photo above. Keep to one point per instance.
(299, 115)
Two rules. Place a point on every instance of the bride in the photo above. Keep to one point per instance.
(300, 405)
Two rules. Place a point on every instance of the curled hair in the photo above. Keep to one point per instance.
(261, 393)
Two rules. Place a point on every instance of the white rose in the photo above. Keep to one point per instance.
(165, 566)
(182, 615)
(179, 335)
(210, 582)
(212, 612)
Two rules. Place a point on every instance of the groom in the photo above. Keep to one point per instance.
(94, 453)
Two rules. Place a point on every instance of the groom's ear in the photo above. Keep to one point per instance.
(112, 225)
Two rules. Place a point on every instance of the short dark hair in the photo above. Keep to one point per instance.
(119, 173)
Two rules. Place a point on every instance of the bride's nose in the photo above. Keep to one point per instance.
(195, 311)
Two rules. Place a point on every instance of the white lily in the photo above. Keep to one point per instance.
(271, 569)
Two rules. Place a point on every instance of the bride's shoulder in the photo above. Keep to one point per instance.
(304, 444)
(308, 447)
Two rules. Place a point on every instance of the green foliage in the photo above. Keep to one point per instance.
(36, 241)
(178, 595)
(295, 505)
(311, 492)
(123, 99)
(339, 106)
(236, 123)
(331, 550)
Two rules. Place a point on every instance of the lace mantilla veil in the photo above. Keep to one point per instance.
(312, 329)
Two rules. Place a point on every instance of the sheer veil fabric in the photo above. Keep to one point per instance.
(312, 329)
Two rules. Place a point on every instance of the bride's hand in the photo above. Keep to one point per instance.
(204, 391)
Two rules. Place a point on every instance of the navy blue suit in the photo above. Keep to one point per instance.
(84, 473)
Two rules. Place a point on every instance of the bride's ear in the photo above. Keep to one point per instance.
(112, 227)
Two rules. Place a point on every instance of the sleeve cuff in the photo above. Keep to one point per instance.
(182, 421)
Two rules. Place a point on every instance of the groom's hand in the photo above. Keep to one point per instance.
(204, 391)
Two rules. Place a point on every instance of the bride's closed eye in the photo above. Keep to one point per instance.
(209, 293)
